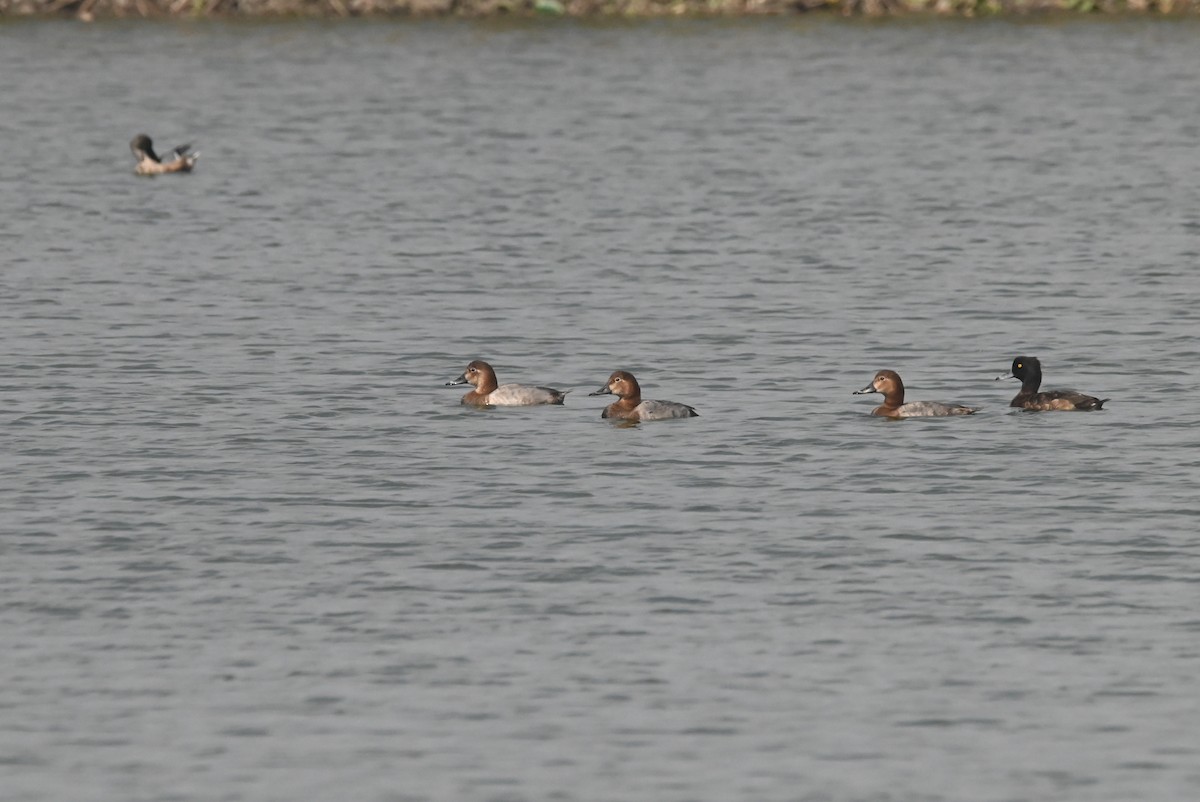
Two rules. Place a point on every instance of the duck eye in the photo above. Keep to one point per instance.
(1020, 365)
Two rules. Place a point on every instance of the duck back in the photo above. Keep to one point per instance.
(521, 395)
(663, 410)
(932, 409)
(1058, 399)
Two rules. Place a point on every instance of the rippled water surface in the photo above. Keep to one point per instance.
(254, 550)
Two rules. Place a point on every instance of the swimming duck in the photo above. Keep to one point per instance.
(487, 393)
(888, 382)
(182, 159)
(632, 407)
(1029, 370)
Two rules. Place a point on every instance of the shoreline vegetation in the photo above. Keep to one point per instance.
(88, 10)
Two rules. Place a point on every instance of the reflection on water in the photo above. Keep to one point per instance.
(255, 550)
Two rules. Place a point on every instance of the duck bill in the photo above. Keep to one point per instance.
(602, 391)
(460, 380)
(1004, 376)
(870, 388)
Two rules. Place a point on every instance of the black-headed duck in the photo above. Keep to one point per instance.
(487, 393)
(888, 382)
(632, 407)
(182, 158)
(1029, 370)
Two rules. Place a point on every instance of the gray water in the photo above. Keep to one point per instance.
(253, 549)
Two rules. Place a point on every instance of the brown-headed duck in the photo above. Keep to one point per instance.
(487, 393)
(1029, 370)
(182, 158)
(888, 382)
(632, 407)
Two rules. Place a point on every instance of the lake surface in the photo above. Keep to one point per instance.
(253, 549)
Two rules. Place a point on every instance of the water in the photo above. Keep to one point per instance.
(254, 550)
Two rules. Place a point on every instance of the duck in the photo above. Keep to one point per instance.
(630, 405)
(182, 158)
(488, 393)
(1029, 370)
(889, 383)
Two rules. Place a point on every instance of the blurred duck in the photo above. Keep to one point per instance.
(632, 407)
(487, 393)
(1029, 370)
(182, 158)
(888, 382)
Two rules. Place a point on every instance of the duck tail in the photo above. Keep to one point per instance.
(186, 154)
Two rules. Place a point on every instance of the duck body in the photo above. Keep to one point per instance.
(487, 393)
(888, 383)
(630, 405)
(182, 160)
(650, 410)
(925, 409)
(516, 395)
(1029, 370)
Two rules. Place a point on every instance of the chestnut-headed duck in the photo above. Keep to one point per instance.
(1029, 370)
(632, 407)
(182, 158)
(487, 393)
(888, 382)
